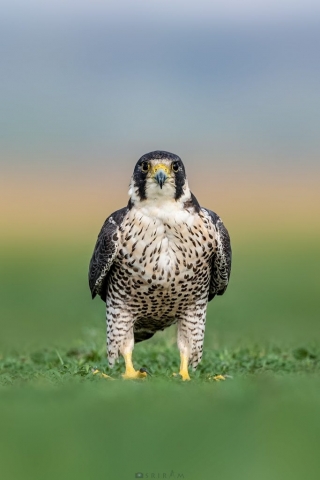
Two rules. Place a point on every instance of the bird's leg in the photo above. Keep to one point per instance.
(125, 344)
(130, 371)
(184, 367)
(183, 372)
(184, 347)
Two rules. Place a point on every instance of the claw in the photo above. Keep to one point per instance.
(219, 377)
(102, 375)
(133, 374)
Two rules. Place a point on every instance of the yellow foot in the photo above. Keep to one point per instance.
(102, 375)
(134, 374)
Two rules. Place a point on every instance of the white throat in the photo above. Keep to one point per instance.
(160, 204)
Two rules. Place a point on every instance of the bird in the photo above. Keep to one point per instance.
(158, 262)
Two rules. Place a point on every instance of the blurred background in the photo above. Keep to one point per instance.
(86, 88)
(89, 87)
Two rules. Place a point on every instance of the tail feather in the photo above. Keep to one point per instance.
(141, 335)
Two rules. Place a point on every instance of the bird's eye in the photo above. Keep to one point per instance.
(175, 167)
(145, 167)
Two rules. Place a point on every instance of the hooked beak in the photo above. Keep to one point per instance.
(160, 177)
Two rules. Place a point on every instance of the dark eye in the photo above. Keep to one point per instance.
(175, 167)
(145, 167)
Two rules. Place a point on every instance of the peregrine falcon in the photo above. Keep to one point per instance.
(159, 261)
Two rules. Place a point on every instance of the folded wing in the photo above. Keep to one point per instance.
(221, 261)
(105, 251)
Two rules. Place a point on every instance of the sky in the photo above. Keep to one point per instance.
(244, 11)
(91, 83)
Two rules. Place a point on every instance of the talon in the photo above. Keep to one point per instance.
(134, 374)
(217, 378)
(144, 370)
(102, 375)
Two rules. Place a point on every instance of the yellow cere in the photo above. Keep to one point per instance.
(161, 166)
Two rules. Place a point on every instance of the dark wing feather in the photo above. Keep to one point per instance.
(221, 261)
(104, 253)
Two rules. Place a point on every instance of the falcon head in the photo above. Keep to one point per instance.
(159, 175)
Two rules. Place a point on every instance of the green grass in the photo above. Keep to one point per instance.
(58, 420)
(58, 367)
